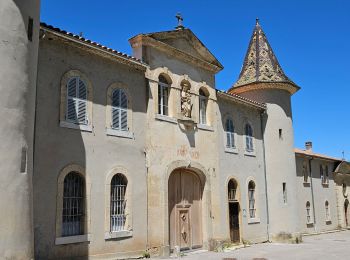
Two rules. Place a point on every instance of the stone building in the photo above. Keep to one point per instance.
(112, 156)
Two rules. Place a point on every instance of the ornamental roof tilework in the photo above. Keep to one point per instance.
(260, 63)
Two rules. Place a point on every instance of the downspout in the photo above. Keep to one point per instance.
(265, 177)
(312, 194)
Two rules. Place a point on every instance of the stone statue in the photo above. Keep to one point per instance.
(186, 103)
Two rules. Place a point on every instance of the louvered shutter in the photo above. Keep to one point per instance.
(71, 114)
(82, 102)
(119, 110)
(123, 111)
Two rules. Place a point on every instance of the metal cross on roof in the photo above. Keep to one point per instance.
(179, 21)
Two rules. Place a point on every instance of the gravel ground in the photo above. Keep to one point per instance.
(334, 246)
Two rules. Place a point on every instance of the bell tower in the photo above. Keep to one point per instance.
(19, 37)
(262, 79)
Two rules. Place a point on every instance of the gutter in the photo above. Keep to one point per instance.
(262, 114)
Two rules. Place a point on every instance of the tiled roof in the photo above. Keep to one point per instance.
(243, 99)
(47, 27)
(322, 156)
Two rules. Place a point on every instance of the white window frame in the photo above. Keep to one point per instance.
(161, 102)
(77, 101)
(252, 200)
(230, 134)
(249, 149)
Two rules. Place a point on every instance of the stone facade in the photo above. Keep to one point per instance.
(158, 158)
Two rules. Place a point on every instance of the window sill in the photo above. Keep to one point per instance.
(118, 234)
(233, 150)
(85, 128)
(123, 134)
(253, 220)
(166, 118)
(72, 239)
(205, 127)
(251, 154)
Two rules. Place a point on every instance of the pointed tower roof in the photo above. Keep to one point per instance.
(261, 65)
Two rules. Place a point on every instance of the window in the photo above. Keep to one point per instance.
(280, 133)
(251, 197)
(308, 214)
(30, 29)
(76, 111)
(324, 174)
(118, 202)
(232, 188)
(203, 101)
(305, 172)
(328, 215)
(327, 174)
(73, 205)
(119, 110)
(163, 96)
(249, 138)
(230, 140)
(284, 188)
(344, 189)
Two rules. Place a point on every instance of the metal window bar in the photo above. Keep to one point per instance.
(73, 205)
(118, 203)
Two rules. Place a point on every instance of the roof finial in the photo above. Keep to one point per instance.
(179, 21)
(257, 21)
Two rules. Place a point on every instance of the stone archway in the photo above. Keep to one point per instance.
(185, 191)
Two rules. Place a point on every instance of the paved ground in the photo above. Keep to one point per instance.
(334, 246)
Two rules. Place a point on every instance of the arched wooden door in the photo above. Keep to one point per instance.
(185, 210)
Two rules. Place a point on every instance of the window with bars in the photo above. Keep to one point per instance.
(308, 213)
(163, 96)
(232, 189)
(328, 215)
(76, 111)
(230, 139)
(73, 205)
(118, 203)
(119, 110)
(251, 197)
(249, 138)
(203, 101)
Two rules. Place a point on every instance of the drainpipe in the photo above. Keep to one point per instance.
(312, 194)
(262, 114)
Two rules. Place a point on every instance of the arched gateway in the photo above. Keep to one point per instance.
(185, 209)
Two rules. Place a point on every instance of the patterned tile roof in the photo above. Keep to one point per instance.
(122, 55)
(260, 63)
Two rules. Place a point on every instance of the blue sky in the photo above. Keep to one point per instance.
(311, 40)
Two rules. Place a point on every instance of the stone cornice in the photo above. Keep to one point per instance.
(287, 86)
(144, 40)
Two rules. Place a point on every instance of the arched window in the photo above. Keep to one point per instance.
(232, 190)
(308, 213)
(76, 111)
(328, 215)
(163, 96)
(230, 139)
(119, 110)
(118, 202)
(203, 101)
(73, 205)
(249, 138)
(251, 197)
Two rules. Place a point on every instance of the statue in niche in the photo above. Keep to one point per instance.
(186, 103)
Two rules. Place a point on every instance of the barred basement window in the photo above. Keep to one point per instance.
(119, 110)
(249, 138)
(203, 101)
(230, 140)
(73, 205)
(118, 202)
(76, 111)
(163, 96)
(308, 216)
(251, 197)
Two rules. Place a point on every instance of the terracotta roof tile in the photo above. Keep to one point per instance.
(322, 156)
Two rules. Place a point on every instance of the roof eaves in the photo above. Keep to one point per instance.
(316, 155)
(242, 100)
(76, 38)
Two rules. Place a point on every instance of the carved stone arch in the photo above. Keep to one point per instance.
(59, 203)
(125, 88)
(128, 196)
(63, 96)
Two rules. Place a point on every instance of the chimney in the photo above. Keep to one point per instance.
(308, 146)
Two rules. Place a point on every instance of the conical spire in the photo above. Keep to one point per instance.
(260, 63)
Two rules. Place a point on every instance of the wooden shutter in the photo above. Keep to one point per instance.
(119, 110)
(71, 95)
